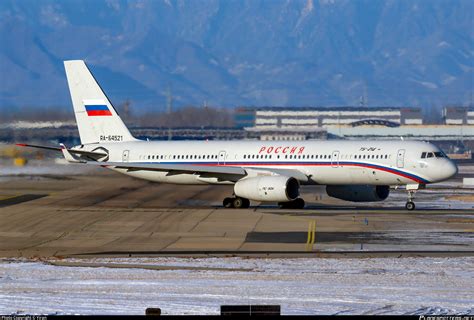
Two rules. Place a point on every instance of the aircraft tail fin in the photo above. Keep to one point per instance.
(97, 120)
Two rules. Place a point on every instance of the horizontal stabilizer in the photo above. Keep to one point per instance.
(92, 154)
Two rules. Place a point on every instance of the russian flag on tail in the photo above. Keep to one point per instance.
(97, 108)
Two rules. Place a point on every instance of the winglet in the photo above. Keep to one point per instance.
(68, 156)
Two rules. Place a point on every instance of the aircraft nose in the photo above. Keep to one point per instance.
(450, 169)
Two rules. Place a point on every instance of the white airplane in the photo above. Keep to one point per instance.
(264, 171)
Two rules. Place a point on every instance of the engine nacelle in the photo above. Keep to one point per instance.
(358, 193)
(268, 188)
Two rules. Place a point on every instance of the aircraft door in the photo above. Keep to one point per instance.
(335, 159)
(222, 155)
(125, 155)
(401, 158)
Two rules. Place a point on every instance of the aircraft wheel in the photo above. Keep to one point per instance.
(238, 202)
(298, 203)
(228, 203)
(283, 205)
(410, 205)
(295, 204)
(246, 203)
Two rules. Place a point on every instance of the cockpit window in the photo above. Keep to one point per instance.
(437, 154)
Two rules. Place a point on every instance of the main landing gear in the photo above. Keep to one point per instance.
(236, 202)
(298, 203)
(242, 203)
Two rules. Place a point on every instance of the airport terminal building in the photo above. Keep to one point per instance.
(458, 115)
(454, 132)
(317, 117)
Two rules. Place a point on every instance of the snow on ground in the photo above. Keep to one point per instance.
(299, 285)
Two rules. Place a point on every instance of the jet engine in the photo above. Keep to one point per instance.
(268, 188)
(358, 193)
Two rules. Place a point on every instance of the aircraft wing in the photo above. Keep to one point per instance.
(225, 172)
(220, 172)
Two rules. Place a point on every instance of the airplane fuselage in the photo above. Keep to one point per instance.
(336, 162)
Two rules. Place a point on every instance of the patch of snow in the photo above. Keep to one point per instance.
(300, 286)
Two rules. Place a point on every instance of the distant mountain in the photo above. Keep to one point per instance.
(241, 52)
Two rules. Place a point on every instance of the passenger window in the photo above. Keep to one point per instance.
(244, 156)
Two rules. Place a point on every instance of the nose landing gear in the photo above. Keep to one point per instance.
(411, 189)
(410, 205)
